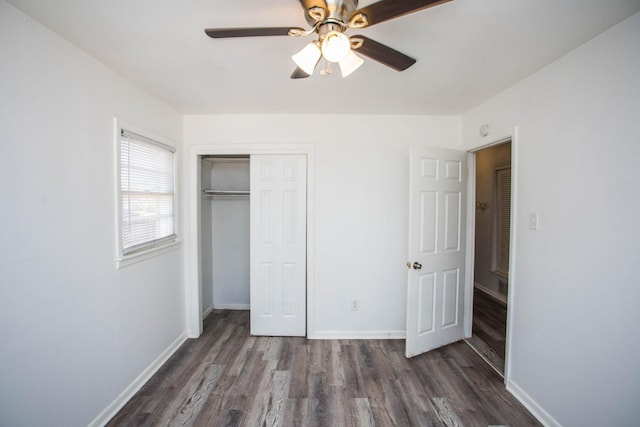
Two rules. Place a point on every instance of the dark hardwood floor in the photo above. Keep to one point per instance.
(229, 378)
(489, 328)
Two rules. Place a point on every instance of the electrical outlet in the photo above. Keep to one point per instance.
(355, 305)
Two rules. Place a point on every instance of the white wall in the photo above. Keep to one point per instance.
(360, 206)
(575, 339)
(75, 331)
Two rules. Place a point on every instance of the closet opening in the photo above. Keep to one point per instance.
(224, 233)
(250, 242)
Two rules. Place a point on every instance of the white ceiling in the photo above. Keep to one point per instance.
(467, 51)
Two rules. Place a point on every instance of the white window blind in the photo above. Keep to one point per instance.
(147, 192)
(503, 218)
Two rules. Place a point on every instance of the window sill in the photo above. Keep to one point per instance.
(500, 274)
(131, 259)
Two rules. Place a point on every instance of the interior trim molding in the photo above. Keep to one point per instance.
(207, 312)
(112, 409)
(536, 410)
(358, 335)
(504, 135)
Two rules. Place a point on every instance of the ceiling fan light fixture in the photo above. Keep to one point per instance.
(335, 46)
(350, 63)
(307, 58)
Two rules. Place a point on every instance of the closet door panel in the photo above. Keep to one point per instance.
(278, 238)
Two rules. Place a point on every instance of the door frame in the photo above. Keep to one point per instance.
(192, 191)
(496, 138)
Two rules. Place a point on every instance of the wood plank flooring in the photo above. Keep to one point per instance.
(229, 378)
(489, 328)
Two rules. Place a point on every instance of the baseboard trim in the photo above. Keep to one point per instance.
(357, 335)
(231, 306)
(207, 312)
(113, 408)
(493, 294)
(536, 410)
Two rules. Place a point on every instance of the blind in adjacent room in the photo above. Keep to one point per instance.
(503, 218)
(147, 189)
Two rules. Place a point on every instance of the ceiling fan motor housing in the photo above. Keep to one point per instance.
(323, 29)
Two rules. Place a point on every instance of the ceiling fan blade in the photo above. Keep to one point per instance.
(383, 54)
(218, 33)
(298, 73)
(388, 9)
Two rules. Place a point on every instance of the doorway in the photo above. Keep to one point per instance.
(492, 237)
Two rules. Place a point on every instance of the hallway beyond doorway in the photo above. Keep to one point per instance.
(489, 329)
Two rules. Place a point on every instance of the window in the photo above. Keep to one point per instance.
(147, 196)
(503, 219)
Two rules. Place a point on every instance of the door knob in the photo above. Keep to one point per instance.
(417, 266)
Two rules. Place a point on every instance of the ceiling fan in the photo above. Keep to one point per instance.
(330, 19)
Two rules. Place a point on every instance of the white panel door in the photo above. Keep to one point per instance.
(278, 244)
(437, 206)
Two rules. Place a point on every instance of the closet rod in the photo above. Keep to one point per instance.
(226, 192)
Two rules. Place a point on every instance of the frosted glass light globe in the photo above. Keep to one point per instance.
(335, 46)
(307, 58)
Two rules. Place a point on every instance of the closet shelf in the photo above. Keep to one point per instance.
(213, 193)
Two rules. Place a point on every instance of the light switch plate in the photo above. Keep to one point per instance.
(533, 220)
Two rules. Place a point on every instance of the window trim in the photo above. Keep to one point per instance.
(163, 245)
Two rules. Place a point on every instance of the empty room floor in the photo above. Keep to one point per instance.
(229, 378)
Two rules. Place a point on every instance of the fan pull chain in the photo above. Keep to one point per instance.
(326, 68)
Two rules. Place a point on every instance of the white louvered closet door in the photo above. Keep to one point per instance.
(503, 219)
(278, 244)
